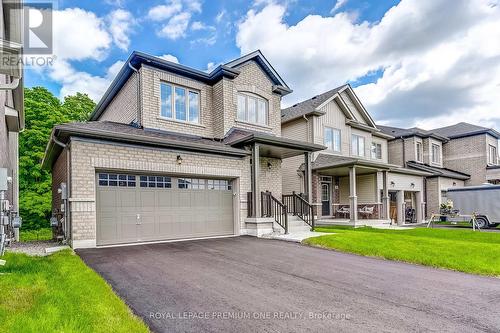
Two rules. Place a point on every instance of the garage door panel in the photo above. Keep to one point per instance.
(164, 212)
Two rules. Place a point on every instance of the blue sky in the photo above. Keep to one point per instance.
(387, 49)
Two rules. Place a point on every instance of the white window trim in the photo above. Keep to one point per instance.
(417, 151)
(438, 159)
(257, 97)
(358, 137)
(381, 151)
(172, 104)
(492, 158)
(333, 143)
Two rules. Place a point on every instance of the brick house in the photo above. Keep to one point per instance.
(459, 155)
(174, 153)
(353, 180)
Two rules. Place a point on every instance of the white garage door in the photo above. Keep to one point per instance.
(138, 208)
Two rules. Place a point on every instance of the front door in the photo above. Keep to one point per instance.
(325, 199)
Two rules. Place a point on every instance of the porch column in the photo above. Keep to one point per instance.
(255, 187)
(419, 200)
(308, 177)
(385, 196)
(400, 200)
(353, 197)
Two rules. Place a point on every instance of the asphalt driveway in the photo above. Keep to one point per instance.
(253, 285)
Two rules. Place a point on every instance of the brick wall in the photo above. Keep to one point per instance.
(467, 155)
(395, 148)
(123, 108)
(59, 175)
(433, 195)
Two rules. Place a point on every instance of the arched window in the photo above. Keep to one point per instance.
(252, 109)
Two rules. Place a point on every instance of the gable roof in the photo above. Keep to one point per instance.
(464, 129)
(438, 172)
(308, 106)
(409, 132)
(228, 70)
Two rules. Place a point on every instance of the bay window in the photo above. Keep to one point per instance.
(252, 109)
(179, 103)
(492, 155)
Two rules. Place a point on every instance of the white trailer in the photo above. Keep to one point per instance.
(482, 201)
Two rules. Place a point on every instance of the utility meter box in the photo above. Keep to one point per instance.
(63, 191)
(4, 186)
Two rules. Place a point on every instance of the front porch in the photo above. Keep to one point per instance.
(358, 192)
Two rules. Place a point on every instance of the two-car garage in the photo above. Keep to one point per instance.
(134, 208)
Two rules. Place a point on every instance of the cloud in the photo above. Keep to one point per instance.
(163, 12)
(77, 26)
(169, 57)
(220, 16)
(432, 69)
(174, 17)
(339, 4)
(74, 81)
(198, 25)
(121, 23)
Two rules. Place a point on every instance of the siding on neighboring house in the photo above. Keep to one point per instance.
(299, 129)
(292, 177)
(123, 108)
(335, 118)
(354, 110)
(366, 188)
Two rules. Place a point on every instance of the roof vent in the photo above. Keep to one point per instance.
(294, 105)
(315, 97)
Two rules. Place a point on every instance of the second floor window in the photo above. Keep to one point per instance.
(357, 145)
(376, 151)
(180, 103)
(492, 155)
(332, 139)
(419, 151)
(252, 109)
(436, 154)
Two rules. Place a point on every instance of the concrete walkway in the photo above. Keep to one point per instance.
(297, 236)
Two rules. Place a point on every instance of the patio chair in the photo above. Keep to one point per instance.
(344, 211)
(366, 211)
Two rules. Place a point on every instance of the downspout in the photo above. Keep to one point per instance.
(139, 99)
(309, 137)
(404, 152)
(10, 86)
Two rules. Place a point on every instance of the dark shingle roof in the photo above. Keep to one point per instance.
(436, 171)
(465, 129)
(407, 132)
(308, 106)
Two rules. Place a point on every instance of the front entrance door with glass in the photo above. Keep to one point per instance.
(325, 199)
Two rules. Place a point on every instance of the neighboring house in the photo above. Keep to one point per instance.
(11, 95)
(473, 150)
(459, 155)
(419, 149)
(173, 153)
(352, 179)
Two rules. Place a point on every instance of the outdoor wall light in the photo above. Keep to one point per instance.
(179, 159)
(454, 183)
(412, 185)
(393, 183)
(269, 165)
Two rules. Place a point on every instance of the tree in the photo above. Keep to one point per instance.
(42, 112)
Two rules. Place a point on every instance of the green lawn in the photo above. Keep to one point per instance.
(42, 234)
(461, 250)
(59, 293)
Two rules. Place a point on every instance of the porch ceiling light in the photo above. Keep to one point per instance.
(179, 159)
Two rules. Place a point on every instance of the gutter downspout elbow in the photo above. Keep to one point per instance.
(139, 100)
(10, 86)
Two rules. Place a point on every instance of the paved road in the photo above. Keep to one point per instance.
(276, 286)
